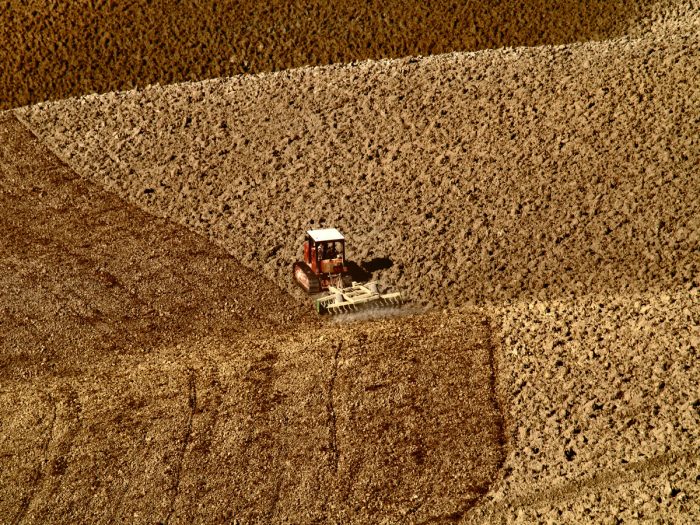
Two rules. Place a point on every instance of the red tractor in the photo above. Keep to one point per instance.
(324, 262)
(324, 269)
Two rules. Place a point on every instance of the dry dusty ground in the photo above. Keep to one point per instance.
(80, 265)
(333, 425)
(604, 408)
(553, 188)
(146, 376)
(467, 178)
(55, 49)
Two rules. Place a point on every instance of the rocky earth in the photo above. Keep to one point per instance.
(57, 49)
(605, 410)
(467, 178)
(147, 376)
(539, 203)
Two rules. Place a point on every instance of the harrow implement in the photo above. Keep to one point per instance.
(354, 298)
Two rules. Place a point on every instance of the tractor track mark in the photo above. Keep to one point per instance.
(118, 502)
(275, 500)
(501, 431)
(39, 470)
(64, 446)
(192, 403)
(496, 397)
(207, 432)
(215, 385)
(330, 408)
(261, 376)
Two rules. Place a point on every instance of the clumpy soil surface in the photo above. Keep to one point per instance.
(605, 410)
(342, 424)
(460, 179)
(148, 376)
(57, 49)
(537, 205)
(85, 273)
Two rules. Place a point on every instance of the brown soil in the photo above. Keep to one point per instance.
(470, 178)
(85, 274)
(53, 50)
(334, 425)
(604, 407)
(553, 187)
(148, 377)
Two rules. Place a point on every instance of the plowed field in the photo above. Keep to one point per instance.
(148, 376)
(53, 50)
(538, 206)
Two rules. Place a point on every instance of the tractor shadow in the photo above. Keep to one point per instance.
(378, 263)
(363, 272)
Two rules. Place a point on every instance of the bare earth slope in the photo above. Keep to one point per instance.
(147, 376)
(52, 50)
(604, 408)
(394, 420)
(499, 175)
(553, 186)
(85, 272)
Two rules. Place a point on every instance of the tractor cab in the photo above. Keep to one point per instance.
(324, 251)
(324, 261)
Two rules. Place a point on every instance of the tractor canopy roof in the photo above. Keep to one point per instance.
(327, 234)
